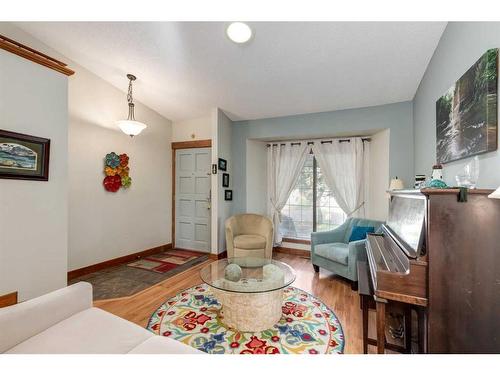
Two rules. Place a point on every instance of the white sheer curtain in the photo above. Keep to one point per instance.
(343, 164)
(364, 211)
(284, 163)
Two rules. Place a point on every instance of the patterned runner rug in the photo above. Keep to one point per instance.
(127, 279)
(165, 262)
(307, 325)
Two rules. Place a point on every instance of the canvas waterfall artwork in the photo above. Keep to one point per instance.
(466, 115)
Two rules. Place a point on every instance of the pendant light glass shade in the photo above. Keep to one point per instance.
(130, 126)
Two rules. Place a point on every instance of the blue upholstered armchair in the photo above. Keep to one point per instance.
(333, 251)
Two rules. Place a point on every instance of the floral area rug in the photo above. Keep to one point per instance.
(193, 317)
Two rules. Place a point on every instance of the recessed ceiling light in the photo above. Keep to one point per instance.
(239, 32)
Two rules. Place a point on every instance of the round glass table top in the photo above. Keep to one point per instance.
(247, 275)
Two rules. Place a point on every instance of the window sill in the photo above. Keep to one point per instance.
(297, 240)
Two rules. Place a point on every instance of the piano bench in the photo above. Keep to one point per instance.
(367, 303)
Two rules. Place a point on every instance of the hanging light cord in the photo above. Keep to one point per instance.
(129, 95)
(130, 101)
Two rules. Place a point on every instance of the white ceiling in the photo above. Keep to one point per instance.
(186, 68)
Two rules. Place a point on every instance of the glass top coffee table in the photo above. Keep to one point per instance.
(250, 290)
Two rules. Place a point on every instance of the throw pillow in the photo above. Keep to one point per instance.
(359, 233)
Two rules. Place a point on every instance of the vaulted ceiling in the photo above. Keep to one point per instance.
(186, 68)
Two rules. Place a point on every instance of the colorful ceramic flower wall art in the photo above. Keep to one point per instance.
(116, 170)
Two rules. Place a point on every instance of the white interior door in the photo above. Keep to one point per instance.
(192, 198)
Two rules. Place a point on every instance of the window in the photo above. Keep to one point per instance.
(311, 206)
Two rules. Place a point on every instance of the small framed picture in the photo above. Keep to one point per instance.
(222, 164)
(24, 157)
(225, 180)
(228, 195)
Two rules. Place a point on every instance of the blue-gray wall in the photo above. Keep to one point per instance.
(460, 46)
(396, 117)
(224, 145)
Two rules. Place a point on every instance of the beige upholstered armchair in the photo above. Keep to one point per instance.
(249, 235)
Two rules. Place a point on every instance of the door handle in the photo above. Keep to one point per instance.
(209, 200)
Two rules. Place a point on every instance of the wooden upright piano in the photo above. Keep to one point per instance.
(440, 256)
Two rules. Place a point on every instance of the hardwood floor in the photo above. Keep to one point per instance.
(334, 291)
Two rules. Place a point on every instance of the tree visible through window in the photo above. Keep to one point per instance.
(299, 217)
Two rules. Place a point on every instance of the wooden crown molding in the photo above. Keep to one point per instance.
(192, 144)
(31, 54)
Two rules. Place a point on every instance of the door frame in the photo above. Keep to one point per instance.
(203, 143)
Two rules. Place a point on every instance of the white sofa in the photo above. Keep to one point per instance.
(64, 322)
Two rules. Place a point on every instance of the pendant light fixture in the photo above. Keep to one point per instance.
(130, 126)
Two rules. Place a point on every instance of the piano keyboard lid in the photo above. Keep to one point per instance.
(406, 222)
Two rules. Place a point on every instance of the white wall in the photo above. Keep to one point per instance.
(104, 225)
(378, 201)
(34, 214)
(200, 127)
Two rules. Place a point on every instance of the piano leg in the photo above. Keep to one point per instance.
(354, 285)
(422, 330)
(380, 327)
(365, 306)
(408, 328)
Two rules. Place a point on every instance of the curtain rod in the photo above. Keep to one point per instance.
(312, 142)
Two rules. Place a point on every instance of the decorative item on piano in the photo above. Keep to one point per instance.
(436, 181)
(436, 184)
(470, 174)
(437, 172)
(419, 181)
(396, 184)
